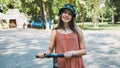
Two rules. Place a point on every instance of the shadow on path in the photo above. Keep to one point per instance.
(19, 47)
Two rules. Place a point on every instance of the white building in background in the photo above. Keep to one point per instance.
(14, 19)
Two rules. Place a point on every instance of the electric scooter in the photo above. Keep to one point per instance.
(54, 56)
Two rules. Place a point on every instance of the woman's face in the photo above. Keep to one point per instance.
(66, 16)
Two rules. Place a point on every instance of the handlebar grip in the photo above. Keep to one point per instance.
(54, 55)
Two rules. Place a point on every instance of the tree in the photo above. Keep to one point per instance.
(116, 10)
(93, 11)
(113, 10)
(48, 9)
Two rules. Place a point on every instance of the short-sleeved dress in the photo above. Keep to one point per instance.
(68, 42)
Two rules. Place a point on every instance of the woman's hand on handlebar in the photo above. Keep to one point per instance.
(69, 54)
(41, 55)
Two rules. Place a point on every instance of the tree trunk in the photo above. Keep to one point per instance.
(51, 15)
(94, 21)
(113, 19)
(45, 8)
(42, 13)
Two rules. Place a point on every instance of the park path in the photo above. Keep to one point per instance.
(18, 48)
(103, 48)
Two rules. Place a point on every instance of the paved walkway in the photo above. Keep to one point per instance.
(103, 49)
(18, 48)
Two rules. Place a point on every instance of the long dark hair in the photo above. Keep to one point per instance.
(61, 24)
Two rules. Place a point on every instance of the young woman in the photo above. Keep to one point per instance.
(68, 39)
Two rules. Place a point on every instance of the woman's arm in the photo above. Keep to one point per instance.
(52, 42)
(51, 45)
(82, 51)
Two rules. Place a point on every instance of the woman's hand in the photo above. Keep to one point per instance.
(69, 54)
(41, 55)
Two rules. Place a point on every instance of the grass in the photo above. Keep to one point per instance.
(101, 26)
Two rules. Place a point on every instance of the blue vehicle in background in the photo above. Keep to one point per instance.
(37, 23)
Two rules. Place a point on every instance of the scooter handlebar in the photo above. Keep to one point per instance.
(52, 55)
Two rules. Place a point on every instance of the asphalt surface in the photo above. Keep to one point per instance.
(18, 48)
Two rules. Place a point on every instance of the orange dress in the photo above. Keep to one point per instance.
(68, 42)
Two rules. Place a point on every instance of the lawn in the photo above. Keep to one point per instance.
(102, 26)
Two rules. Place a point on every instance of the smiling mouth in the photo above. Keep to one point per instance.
(66, 18)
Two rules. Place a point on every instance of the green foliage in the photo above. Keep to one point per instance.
(113, 8)
(102, 26)
(92, 9)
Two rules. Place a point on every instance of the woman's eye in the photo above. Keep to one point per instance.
(65, 12)
(70, 14)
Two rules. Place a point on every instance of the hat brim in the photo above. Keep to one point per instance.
(62, 9)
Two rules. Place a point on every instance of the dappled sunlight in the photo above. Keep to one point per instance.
(102, 49)
(22, 42)
(102, 60)
(105, 48)
(42, 61)
(34, 41)
(18, 46)
(18, 49)
(96, 39)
